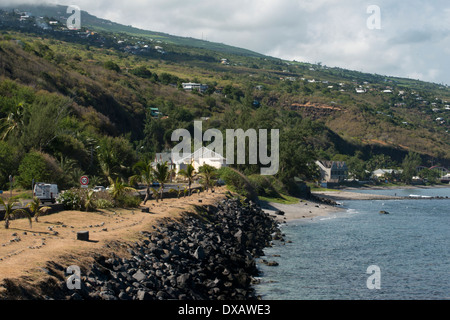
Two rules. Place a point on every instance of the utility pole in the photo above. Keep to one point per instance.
(10, 185)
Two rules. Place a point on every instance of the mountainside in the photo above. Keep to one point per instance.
(115, 91)
(59, 13)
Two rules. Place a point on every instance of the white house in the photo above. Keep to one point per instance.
(446, 179)
(199, 158)
(381, 173)
(189, 86)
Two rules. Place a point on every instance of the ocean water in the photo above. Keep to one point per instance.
(329, 257)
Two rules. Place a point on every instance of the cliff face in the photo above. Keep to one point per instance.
(207, 255)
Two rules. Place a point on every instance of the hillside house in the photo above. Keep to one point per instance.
(381, 174)
(154, 112)
(446, 179)
(333, 171)
(190, 86)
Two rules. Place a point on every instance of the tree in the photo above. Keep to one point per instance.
(116, 157)
(379, 161)
(161, 174)
(12, 123)
(409, 166)
(110, 65)
(296, 158)
(429, 174)
(42, 120)
(8, 163)
(108, 164)
(209, 175)
(357, 166)
(33, 166)
(10, 212)
(145, 175)
(35, 209)
(118, 189)
(190, 174)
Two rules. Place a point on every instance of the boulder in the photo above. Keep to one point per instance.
(139, 276)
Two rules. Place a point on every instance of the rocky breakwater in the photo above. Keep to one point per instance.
(208, 255)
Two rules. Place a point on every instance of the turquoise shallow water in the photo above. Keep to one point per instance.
(329, 256)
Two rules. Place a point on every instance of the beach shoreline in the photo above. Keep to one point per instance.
(405, 187)
(308, 209)
(303, 210)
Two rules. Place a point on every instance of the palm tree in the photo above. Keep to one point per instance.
(10, 212)
(66, 164)
(75, 175)
(35, 209)
(89, 201)
(190, 174)
(13, 122)
(119, 188)
(208, 174)
(108, 164)
(155, 194)
(161, 174)
(145, 175)
(95, 181)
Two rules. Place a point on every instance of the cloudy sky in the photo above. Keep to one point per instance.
(408, 39)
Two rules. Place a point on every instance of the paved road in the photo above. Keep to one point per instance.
(141, 191)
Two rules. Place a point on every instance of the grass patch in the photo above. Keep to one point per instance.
(316, 189)
(285, 199)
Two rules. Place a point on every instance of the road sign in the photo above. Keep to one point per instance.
(84, 180)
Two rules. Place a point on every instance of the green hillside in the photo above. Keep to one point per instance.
(69, 100)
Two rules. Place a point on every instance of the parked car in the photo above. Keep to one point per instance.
(46, 192)
(99, 188)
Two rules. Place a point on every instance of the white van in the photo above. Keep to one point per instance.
(46, 192)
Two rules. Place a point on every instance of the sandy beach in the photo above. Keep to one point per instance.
(308, 209)
(350, 195)
(302, 210)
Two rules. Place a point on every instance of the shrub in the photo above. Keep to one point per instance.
(85, 199)
(104, 204)
(110, 65)
(127, 201)
(70, 199)
(142, 72)
(238, 182)
(263, 186)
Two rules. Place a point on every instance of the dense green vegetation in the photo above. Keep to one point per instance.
(73, 105)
